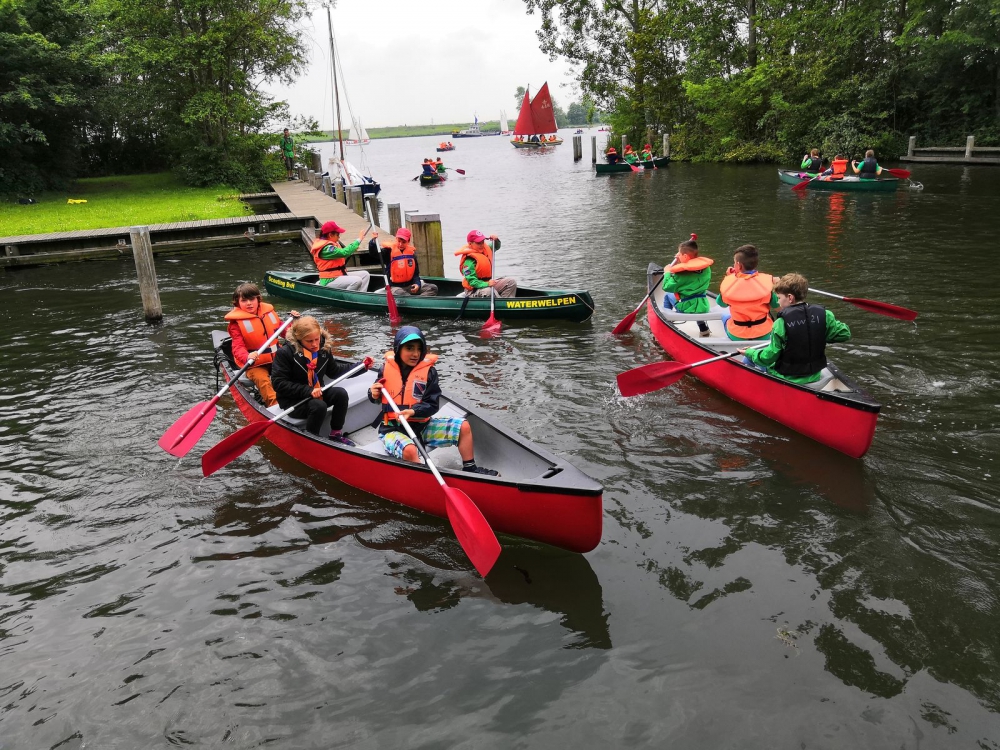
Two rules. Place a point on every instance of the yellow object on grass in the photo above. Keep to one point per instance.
(75, 200)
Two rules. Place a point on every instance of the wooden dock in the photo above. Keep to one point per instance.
(969, 154)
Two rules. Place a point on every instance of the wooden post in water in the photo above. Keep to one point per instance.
(317, 162)
(142, 251)
(326, 186)
(338, 190)
(624, 143)
(357, 201)
(911, 147)
(372, 206)
(593, 149)
(666, 144)
(427, 238)
(970, 144)
(577, 147)
(395, 221)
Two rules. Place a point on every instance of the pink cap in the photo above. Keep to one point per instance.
(475, 236)
(403, 234)
(331, 226)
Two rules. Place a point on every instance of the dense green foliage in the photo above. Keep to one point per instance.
(107, 86)
(122, 201)
(763, 80)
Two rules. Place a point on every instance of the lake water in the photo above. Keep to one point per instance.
(752, 590)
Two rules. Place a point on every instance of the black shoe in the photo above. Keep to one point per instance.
(481, 470)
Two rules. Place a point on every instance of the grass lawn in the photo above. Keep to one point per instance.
(406, 131)
(122, 201)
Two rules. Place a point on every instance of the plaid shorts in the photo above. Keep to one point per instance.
(440, 432)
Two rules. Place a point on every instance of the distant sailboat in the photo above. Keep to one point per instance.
(504, 128)
(350, 174)
(535, 120)
(357, 135)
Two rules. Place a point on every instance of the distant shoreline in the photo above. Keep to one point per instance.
(444, 130)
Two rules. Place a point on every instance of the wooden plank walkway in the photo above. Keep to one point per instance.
(957, 159)
(305, 201)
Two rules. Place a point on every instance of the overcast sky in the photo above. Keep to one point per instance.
(413, 62)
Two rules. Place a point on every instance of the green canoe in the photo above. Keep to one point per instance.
(659, 161)
(851, 183)
(529, 304)
(432, 179)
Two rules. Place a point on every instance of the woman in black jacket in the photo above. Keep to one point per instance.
(297, 373)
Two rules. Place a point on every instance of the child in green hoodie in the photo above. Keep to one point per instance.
(686, 280)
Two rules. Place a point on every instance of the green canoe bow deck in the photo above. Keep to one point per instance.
(529, 304)
(848, 184)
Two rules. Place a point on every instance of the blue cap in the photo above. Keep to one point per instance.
(411, 337)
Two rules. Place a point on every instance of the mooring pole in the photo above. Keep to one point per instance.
(372, 202)
(142, 251)
(593, 149)
(395, 220)
(427, 238)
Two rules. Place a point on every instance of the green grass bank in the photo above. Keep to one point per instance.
(405, 131)
(121, 201)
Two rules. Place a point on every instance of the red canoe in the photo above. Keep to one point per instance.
(537, 496)
(834, 411)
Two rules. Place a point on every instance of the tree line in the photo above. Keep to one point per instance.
(763, 80)
(112, 86)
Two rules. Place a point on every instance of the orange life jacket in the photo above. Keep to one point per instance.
(749, 300)
(402, 263)
(484, 262)
(256, 329)
(414, 386)
(328, 269)
(839, 167)
(695, 264)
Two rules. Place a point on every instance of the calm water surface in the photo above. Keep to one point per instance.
(752, 590)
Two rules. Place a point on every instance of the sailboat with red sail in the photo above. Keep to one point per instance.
(536, 121)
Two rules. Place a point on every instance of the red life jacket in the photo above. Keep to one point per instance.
(484, 262)
(749, 300)
(256, 329)
(328, 269)
(839, 167)
(402, 263)
(408, 394)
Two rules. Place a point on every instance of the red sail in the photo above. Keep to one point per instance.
(525, 124)
(541, 111)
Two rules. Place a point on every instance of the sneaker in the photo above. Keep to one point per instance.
(704, 334)
(483, 470)
(342, 439)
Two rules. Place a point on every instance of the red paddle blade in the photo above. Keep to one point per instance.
(650, 378)
(460, 171)
(490, 328)
(801, 185)
(232, 447)
(883, 308)
(903, 174)
(390, 300)
(626, 323)
(472, 529)
(182, 435)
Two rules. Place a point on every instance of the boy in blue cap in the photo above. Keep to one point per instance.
(412, 380)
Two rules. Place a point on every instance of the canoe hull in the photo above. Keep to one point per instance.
(530, 304)
(529, 144)
(844, 422)
(439, 150)
(432, 179)
(879, 185)
(660, 161)
(570, 518)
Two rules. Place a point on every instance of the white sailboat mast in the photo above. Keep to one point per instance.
(333, 77)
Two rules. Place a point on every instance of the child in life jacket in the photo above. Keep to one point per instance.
(252, 322)
(412, 380)
(686, 280)
(836, 170)
(748, 295)
(399, 258)
(797, 351)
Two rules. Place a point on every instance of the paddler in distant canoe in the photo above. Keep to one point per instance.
(749, 296)
(439, 166)
(428, 168)
(612, 155)
(686, 281)
(812, 162)
(797, 351)
(646, 154)
(836, 170)
(867, 169)
(630, 155)
(476, 264)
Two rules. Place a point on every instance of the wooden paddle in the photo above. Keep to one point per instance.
(229, 449)
(390, 298)
(649, 378)
(182, 435)
(903, 174)
(880, 308)
(491, 327)
(471, 527)
(626, 324)
(799, 187)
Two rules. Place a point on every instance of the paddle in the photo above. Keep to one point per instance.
(460, 171)
(880, 308)
(471, 527)
(659, 375)
(230, 448)
(626, 323)
(182, 435)
(390, 298)
(903, 174)
(491, 327)
(802, 185)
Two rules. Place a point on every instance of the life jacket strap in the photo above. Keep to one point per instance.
(748, 323)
